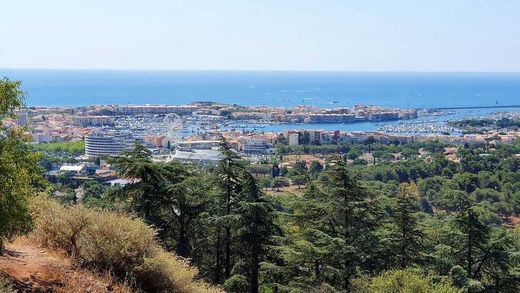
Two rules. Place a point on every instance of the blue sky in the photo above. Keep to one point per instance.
(344, 35)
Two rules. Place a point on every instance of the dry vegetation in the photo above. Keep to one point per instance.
(5, 286)
(113, 243)
(31, 268)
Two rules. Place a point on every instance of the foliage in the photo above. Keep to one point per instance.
(405, 281)
(20, 174)
(113, 243)
(72, 147)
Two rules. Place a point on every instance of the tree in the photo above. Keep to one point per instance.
(279, 183)
(299, 180)
(407, 238)
(93, 189)
(370, 141)
(148, 179)
(275, 170)
(184, 202)
(338, 223)
(311, 249)
(11, 98)
(355, 215)
(474, 235)
(20, 171)
(257, 226)
(228, 180)
(315, 167)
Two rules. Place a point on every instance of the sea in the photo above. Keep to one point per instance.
(284, 89)
(272, 88)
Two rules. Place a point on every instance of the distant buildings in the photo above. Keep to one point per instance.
(293, 137)
(330, 118)
(22, 118)
(197, 144)
(311, 136)
(93, 121)
(204, 152)
(255, 144)
(151, 109)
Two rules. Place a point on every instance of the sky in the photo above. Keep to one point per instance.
(315, 35)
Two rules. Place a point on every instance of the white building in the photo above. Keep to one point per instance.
(293, 137)
(254, 145)
(100, 145)
(198, 144)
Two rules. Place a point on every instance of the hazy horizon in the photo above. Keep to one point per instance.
(232, 35)
(258, 70)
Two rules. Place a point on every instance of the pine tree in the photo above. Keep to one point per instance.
(337, 222)
(311, 248)
(475, 234)
(257, 227)
(147, 179)
(181, 207)
(407, 238)
(356, 215)
(228, 181)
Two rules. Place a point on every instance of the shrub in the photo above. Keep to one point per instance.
(116, 242)
(405, 281)
(112, 242)
(166, 272)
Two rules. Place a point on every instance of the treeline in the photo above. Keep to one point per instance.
(475, 125)
(75, 147)
(356, 148)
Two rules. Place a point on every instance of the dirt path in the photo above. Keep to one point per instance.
(35, 269)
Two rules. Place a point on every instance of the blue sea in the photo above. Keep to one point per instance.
(325, 89)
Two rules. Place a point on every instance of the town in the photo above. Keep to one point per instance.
(193, 134)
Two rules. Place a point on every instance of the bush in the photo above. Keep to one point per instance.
(405, 281)
(166, 272)
(113, 243)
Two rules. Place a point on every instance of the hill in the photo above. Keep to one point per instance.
(32, 268)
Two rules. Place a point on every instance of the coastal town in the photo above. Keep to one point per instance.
(260, 146)
(192, 132)
(77, 143)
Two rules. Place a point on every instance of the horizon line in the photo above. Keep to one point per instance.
(261, 70)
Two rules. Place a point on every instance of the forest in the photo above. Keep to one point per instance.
(443, 225)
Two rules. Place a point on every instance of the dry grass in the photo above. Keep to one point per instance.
(111, 242)
(32, 268)
(85, 281)
(162, 271)
(5, 285)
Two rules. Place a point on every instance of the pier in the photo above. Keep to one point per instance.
(475, 107)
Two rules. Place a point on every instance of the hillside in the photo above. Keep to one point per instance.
(31, 268)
